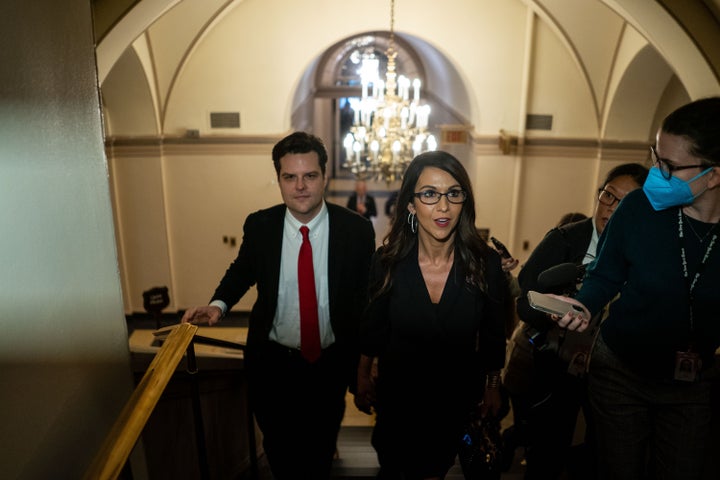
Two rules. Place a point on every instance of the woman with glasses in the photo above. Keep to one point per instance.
(649, 379)
(548, 392)
(435, 323)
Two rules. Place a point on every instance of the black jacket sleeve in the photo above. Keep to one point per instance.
(497, 310)
(565, 244)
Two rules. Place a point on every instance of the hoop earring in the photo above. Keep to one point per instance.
(412, 221)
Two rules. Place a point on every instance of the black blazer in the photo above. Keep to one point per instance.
(370, 207)
(565, 244)
(448, 329)
(350, 247)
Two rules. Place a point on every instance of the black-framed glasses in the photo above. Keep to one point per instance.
(431, 197)
(607, 198)
(667, 168)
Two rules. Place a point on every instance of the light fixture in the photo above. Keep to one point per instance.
(389, 129)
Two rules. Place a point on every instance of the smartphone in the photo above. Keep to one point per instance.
(546, 303)
(502, 249)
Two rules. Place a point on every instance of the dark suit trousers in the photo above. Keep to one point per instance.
(298, 407)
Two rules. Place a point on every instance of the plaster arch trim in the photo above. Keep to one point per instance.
(187, 56)
(645, 77)
(407, 60)
(442, 76)
(126, 31)
(543, 14)
(674, 44)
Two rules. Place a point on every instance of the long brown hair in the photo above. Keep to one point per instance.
(470, 249)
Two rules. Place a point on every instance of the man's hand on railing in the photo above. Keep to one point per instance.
(209, 314)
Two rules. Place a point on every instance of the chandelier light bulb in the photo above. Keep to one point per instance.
(388, 129)
(416, 90)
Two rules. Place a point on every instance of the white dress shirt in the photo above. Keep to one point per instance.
(286, 324)
(592, 247)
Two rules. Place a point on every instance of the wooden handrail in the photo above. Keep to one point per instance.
(123, 436)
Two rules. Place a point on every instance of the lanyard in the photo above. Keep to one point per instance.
(700, 268)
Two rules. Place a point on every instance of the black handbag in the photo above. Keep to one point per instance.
(481, 447)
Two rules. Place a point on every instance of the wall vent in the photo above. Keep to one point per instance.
(538, 122)
(225, 120)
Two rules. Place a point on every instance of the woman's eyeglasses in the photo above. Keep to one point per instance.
(667, 168)
(607, 198)
(431, 197)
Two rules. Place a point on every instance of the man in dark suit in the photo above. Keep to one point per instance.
(361, 202)
(298, 399)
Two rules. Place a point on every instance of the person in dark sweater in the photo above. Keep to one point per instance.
(649, 384)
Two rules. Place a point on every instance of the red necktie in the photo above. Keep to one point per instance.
(309, 325)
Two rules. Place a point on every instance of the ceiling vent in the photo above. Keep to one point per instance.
(538, 122)
(225, 120)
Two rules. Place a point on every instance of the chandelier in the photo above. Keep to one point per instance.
(389, 129)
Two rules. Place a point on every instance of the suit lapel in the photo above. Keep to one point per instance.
(273, 239)
(335, 257)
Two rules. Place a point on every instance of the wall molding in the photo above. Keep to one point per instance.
(627, 151)
(482, 145)
(170, 146)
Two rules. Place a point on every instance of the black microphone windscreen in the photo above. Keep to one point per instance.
(560, 275)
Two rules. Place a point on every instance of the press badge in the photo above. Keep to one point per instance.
(687, 366)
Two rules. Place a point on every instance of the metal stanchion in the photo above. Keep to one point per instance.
(197, 413)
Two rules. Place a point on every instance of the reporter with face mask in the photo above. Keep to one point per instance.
(649, 379)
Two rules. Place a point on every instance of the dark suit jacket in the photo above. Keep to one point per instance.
(370, 207)
(565, 244)
(350, 247)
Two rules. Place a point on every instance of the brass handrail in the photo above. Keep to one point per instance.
(111, 458)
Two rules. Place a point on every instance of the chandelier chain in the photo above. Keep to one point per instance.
(392, 23)
(390, 126)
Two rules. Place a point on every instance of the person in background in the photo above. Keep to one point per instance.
(310, 261)
(649, 385)
(508, 264)
(361, 202)
(558, 388)
(435, 323)
(391, 204)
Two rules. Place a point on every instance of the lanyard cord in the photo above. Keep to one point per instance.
(700, 268)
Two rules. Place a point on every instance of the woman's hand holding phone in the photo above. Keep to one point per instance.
(566, 311)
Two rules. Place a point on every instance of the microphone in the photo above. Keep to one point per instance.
(561, 275)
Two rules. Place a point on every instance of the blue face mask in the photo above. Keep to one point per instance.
(664, 193)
